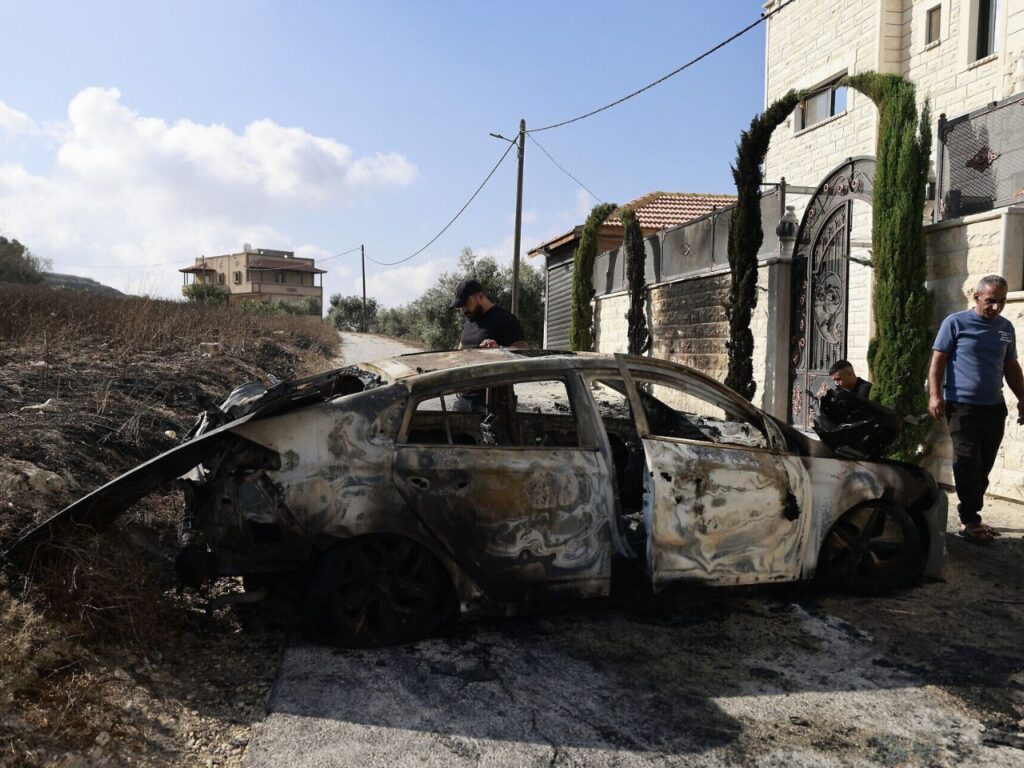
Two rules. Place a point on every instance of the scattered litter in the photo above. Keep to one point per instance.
(102, 738)
(209, 348)
(171, 434)
(37, 364)
(49, 405)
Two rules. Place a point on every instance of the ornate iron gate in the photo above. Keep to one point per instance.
(820, 290)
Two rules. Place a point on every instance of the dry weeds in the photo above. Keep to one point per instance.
(101, 661)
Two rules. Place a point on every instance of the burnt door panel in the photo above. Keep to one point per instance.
(724, 515)
(521, 522)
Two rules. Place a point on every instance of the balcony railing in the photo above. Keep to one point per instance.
(980, 159)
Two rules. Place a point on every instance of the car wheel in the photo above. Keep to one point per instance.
(872, 549)
(377, 590)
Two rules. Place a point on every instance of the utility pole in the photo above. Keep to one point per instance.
(362, 263)
(519, 219)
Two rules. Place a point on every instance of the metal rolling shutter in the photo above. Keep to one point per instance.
(558, 306)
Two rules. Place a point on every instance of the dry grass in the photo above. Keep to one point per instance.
(53, 319)
(95, 607)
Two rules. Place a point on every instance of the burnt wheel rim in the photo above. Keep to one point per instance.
(386, 590)
(868, 543)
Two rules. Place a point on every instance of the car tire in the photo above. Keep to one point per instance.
(377, 590)
(873, 549)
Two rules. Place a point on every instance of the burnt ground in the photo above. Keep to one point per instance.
(102, 662)
(784, 676)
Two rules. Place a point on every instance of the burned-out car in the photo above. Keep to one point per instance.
(402, 506)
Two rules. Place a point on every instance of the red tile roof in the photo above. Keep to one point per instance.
(660, 210)
(656, 211)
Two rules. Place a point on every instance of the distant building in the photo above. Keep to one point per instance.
(259, 274)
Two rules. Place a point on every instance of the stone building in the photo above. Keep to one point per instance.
(259, 274)
(967, 58)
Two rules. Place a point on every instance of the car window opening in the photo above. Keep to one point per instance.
(533, 414)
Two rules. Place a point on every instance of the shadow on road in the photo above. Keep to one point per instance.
(710, 670)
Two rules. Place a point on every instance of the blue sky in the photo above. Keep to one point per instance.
(137, 134)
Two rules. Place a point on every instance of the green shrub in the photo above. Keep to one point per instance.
(636, 315)
(745, 238)
(900, 350)
(581, 323)
(208, 294)
(18, 264)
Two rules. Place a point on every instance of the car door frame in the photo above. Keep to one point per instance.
(529, 553)
(690, 554)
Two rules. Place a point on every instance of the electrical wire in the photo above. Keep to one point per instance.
(166, 263)
(674, 72)
(114, 266)
(456, 216)
(559, 167)
(343, 253)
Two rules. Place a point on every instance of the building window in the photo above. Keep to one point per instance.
(820, 106)
(279, 277)
(238, 278)
(988, 23)
(933, 27)
(220, 278)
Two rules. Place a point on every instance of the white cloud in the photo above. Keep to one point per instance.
(126, 189)
(401, 284)
(16, 122)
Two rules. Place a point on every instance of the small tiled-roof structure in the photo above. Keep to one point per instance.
(661, 210)
(655, 211)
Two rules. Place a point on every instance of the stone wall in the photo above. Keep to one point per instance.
(960, 253)
(610, 326)
(690, 325)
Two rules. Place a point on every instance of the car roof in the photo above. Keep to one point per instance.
(417, 363)
(429, 368)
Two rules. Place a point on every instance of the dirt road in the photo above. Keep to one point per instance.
(794, 677)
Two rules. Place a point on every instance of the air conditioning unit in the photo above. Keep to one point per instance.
(246, 248)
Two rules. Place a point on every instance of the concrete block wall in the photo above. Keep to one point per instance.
(611, 331)
(759, 328)
(960, 253)
(691, 327)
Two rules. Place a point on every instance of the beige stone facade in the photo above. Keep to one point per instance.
(937, 45)
(260, 275)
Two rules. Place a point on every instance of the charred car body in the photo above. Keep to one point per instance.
(403, 510)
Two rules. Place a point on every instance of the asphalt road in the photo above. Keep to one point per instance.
(789, 677)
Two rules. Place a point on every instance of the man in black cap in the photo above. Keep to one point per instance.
(487, 326)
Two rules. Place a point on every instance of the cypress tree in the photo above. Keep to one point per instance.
(581, 327)
(745, 238)
(899, 352)
(636, 315)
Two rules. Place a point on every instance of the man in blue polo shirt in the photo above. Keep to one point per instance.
(973, 351)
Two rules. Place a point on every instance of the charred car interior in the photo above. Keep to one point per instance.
(400, 508)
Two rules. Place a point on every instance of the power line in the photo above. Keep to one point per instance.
(446, 226)
(343, 253)
(559, 167)
(114, 266)
(163, 263)
(674, 72)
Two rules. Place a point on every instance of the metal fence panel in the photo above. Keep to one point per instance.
(982, 156)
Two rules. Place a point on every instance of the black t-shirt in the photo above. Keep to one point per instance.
(496, 323)
(863, 388)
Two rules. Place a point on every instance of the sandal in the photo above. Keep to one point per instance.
(978, 533)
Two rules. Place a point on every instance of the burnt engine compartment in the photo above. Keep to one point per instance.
(854, 427)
